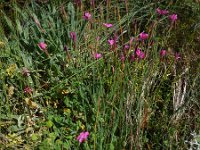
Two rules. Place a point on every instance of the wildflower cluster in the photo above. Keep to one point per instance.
(164, 12)
(134, 50)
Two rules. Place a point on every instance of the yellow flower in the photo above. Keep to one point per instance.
(65, 92)
(82, 127)
(11, 70)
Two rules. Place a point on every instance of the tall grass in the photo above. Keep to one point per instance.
(49, 96)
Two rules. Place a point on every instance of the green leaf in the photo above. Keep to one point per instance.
(9, 23)
(34, 137)
(19, 27)
(49, 124)
(112, 147)
(71, 11)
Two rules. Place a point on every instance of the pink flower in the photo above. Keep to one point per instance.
(108, 25)
(97, 55)
(162, 12)
(42, 45)
(87, 16)
(177, 56)
(83, 137)
(143, 36)
(173, 17)
(111, 42)
(73, 36)
(163, 53)
(126, 46)
(140, 54)
(28, 90)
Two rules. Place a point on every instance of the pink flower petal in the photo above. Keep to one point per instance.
(162, 12)
(173, 17)
(138, 51)
(98, 55)
(143, 36)
(140, 54)
(163, 53)
(83, 137)
(108, 25)
(111, 42)
(87, 16)
(42, 45)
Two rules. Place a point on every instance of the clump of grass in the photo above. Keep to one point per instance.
(108, 71)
